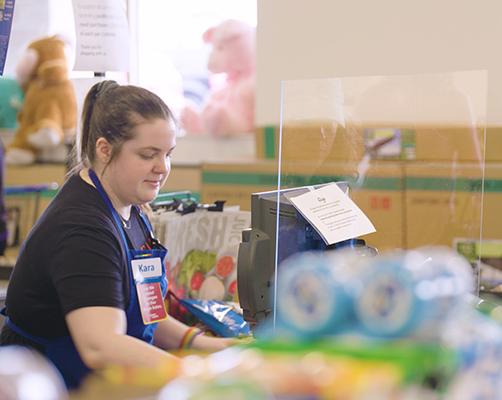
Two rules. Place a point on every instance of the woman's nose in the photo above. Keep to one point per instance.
(163, 165)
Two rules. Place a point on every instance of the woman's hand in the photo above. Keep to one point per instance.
(208, 343)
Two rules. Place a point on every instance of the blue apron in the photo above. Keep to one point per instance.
(62, 351)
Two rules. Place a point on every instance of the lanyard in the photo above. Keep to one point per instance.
(114, 212)
(150, 283)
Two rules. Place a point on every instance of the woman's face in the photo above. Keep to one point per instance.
(143, 164)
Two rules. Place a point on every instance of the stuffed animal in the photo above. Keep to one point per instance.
(49, 112)
(229, 110)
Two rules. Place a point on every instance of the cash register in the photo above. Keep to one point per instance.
(257, 252)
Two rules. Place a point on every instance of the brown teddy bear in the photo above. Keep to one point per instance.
(49, 113)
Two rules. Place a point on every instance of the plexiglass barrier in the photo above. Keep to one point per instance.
(411, 150)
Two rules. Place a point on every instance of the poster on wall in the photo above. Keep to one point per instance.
(102, 35)
(6, 14)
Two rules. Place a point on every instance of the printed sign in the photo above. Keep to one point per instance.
(151, 302)
(102, 35)
(333, 214)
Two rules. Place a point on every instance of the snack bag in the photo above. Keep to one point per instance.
(221, 318)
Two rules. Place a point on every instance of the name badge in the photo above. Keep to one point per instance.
(151, 302)
(146, 268)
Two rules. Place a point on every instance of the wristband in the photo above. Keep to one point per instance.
(188, 338)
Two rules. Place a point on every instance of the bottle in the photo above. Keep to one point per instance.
(411, 293)
(315, 292)
(312, 297)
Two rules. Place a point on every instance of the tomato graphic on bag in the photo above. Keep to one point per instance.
(232, 288)
(196, 281)
(224, 266)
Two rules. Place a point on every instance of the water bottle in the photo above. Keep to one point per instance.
(411, 293)
(311, 300)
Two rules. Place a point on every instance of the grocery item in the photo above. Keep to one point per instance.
(311, 300)
(412, 293)
(221, 318)
(202, 252)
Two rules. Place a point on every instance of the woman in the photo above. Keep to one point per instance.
(88, 285)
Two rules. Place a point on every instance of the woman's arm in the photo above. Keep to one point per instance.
(100, 336)
(170, 332)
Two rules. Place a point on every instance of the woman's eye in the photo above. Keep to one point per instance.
(147, 156)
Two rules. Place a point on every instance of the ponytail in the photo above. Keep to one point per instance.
(90, 100)
(83, 154)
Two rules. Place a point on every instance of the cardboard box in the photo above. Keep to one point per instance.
(493, 151)
(184, 177)
(20, 218)
(379, 195)
(311, 141)
(235, 182)
(446, 222)
(381, 199)
(492, 202)
(24, 209)
(303, 142)
(444, 201)
(35, 174)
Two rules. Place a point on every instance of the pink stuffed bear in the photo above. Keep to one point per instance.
(228, 110)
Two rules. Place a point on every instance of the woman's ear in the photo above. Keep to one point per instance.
(103, 150)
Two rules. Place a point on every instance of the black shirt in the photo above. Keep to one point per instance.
(73, 258)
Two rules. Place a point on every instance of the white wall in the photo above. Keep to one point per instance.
(299, 39)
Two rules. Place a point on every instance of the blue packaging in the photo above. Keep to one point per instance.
(218, 316)
(311, 302)
(412, 293)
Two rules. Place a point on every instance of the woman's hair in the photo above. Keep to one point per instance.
(112, 111)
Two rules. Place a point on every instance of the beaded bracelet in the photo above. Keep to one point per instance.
(188, 338)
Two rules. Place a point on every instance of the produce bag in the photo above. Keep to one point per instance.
(201, 262)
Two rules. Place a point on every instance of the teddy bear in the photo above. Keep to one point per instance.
(48, 117)
(229, 109)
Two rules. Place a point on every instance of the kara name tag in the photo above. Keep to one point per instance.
(146, 268)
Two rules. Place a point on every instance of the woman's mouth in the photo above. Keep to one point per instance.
(154, 184)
